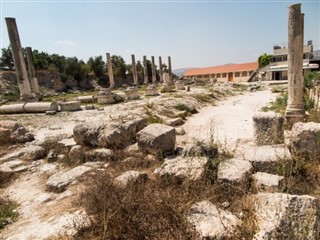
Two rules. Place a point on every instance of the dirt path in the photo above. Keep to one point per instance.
(229, 123)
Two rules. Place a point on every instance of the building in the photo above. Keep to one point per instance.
(278, 68)
(227, 73)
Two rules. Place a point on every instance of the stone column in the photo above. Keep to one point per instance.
(145, 70)
(110, 70)
(20, 66)
(154, 76)
(160, 69)
(169, 68)
(295, 109)
(32, 73)
(134, 70)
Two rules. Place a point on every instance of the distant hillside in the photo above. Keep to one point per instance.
(179, 72)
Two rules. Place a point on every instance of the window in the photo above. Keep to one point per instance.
(213, 75)
(244, 74)
(218, 75)
(237, 74)
(224, 75)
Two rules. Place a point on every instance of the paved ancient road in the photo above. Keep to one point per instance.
(230, 122)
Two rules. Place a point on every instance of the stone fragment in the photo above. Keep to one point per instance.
(211, 222)
(34, 152)
(130, 176)
(5, 174)
(59, 181)
(265, 182)
(268, 128)
(304, 141)
(180, 85)
(180, 131)
(50, 113)
(105, 96)
(234, 171)
(152, 91)
(284, 216)
(101, 155)
(157, 139)
(89, 107)
(69, 106)
(183, 168)
(264, 158)
(174, 122)
(200, 149)
(118, 98)
(132, 93)
(108, 135)
(77, 154)
(14, 132)
(52, 156)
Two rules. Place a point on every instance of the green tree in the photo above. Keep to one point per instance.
(97, 66)
(119, 66)
(6, 60)
(264, 60)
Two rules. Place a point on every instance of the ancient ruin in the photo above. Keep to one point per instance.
(134, 71)
(153, 67)
(110, 70)
(21, 70)
(145, 70)
(295, 109)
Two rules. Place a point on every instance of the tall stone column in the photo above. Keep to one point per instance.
(295, 109)
(145, 70)
(160, 69)
(32, 73)
(154, 76)
(169, 68)
(134, 70)
(110, 70)
(20, 66)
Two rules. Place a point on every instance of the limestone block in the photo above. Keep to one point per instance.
(180, 85)
(59, 181)
(235, 171)
(14, 132)
(132, 93)
(284, 216)
(304, 140)
(190, 168)
(70, 106)
(101, 155)
(34, 152)
(268, 128)
(201, 149)
(174, 122)
(77, 154)
(266, 182)
(129, 176)
(108, 135)
(264, 158)
(157, 139)
(211, 222)
(151, 91)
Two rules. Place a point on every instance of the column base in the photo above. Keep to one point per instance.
(293, 116)
(28, 98)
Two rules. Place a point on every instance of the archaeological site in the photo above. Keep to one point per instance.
(106, 149)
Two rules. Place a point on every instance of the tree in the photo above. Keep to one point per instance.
(264, 60)
(119, 66)
(6, 60)
(97, 66)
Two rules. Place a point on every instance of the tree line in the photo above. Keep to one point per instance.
(78, 69)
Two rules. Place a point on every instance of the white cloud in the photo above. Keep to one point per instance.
(66, 43)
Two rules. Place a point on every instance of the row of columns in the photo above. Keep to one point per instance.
(21, 71)
(145, 70)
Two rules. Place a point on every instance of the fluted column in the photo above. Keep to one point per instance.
(32, 73)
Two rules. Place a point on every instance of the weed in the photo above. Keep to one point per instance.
(7, 212)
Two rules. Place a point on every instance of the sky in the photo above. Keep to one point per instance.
(194, 33)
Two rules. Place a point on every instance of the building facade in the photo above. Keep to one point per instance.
(227, 73)
(278, 67)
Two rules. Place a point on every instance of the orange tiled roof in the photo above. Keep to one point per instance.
(223, 69)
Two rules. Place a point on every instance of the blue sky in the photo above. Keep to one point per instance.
(193, 33)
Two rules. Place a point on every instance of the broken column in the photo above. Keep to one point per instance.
(145, 70)
(105, 96)
(134, 70)
(169, 68)
(167, 83)
(32, 73)
(160, 69)
(20, 66)
(154, 76)
(295, 109)
(110, 70)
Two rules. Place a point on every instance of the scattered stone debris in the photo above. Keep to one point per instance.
(14, 132)
(266, 182)
(130, 176)
(211, 222)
